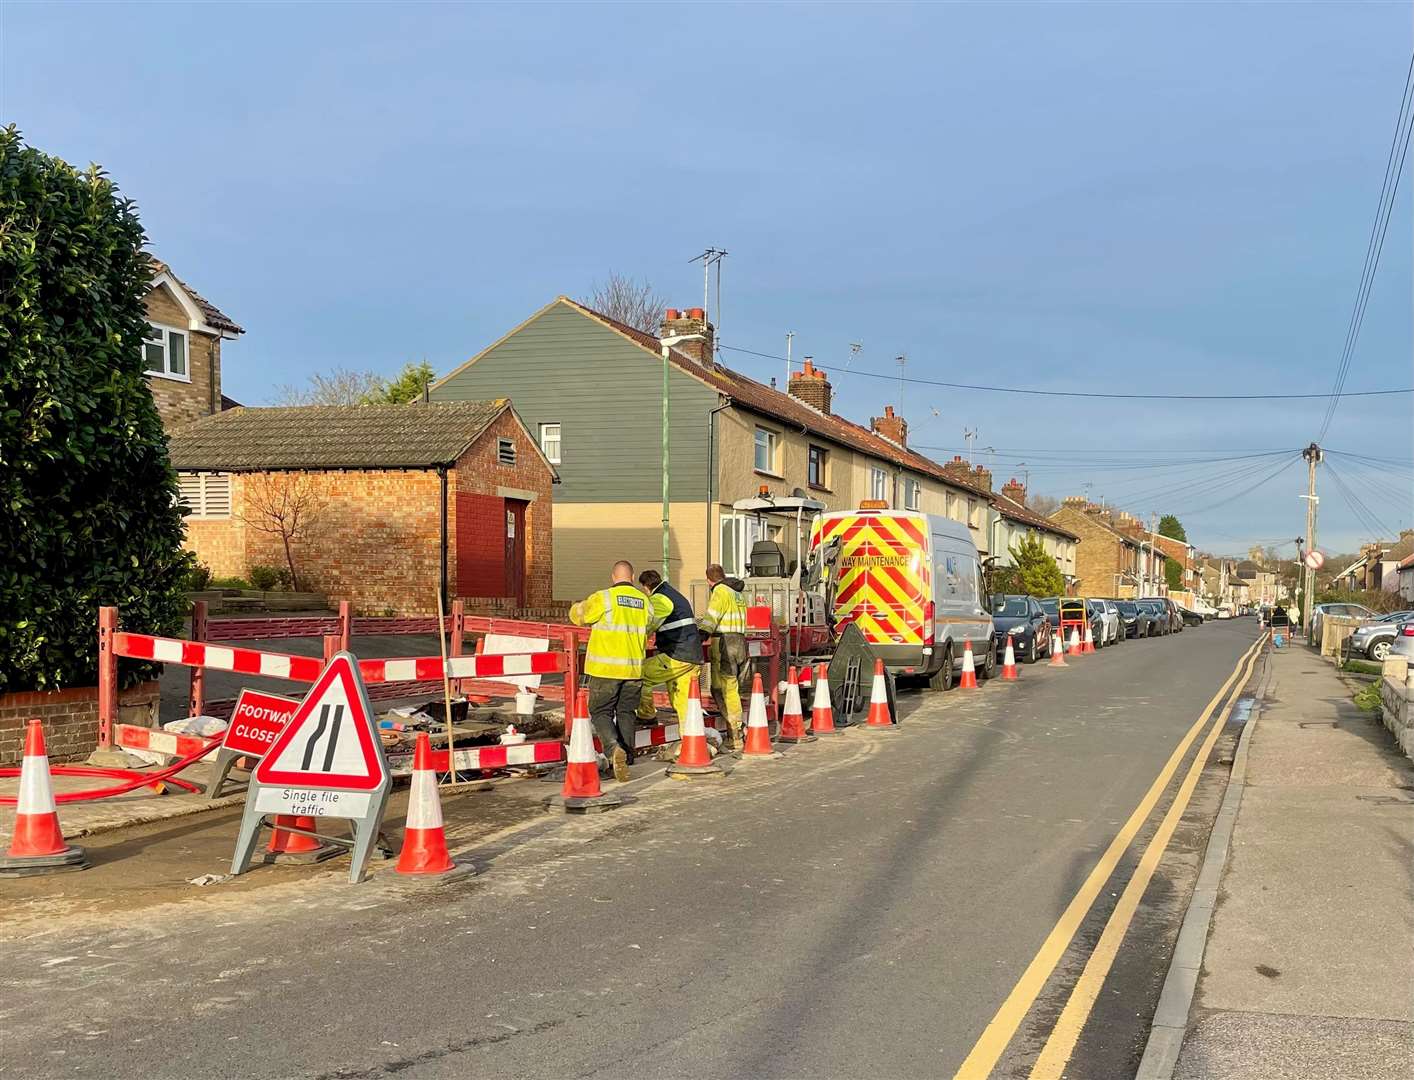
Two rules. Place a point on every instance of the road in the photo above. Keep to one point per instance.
(867, 906)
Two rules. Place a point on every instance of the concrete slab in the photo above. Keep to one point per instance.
(1259, 1046)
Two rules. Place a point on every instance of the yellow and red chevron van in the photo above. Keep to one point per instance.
(912, 583)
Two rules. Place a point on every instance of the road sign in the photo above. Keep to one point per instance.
(256, 722)
(1314, 560)
(326, 762)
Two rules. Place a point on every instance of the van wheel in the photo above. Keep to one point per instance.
(942, 678)
(989, 666)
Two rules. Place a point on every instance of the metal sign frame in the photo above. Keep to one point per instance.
(360, 801)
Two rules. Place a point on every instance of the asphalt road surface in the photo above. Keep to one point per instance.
(900, 904)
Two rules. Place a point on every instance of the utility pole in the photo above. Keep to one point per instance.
(1313, 455)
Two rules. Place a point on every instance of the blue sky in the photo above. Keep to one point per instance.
(1107, 197)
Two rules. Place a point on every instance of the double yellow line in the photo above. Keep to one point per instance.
(1061, 1044)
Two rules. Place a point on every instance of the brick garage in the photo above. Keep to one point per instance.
(375, 476)
(70, 719)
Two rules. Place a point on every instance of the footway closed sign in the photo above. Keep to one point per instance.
(256, 722)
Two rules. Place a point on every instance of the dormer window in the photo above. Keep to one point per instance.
(164, 352)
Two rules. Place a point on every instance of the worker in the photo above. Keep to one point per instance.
(731, 666)
(678, 655)
(621, 620)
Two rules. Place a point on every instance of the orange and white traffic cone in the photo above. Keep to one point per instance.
(1088, 645)
(968, 681)
(287, 846)
(792, 720)
(582, 792)
(694, 757)
(1058, 650)
(1073, 646)
(424, 853)
(880, 718)
(38, 845)
(757, 744)
(1009, 661)
(822, 711)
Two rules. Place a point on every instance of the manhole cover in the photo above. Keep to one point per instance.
(1385, 800)
(1318, 723)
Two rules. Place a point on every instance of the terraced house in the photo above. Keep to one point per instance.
(592, 389)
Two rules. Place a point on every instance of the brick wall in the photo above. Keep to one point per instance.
(482, 485)
(1099, 556)
(180, 403)
(70, 719)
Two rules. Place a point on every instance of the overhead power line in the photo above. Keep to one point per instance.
(1073, 393)
(1399, 144)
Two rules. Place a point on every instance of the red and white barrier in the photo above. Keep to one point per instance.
(219, 657)
(132, 737)
(486, 757)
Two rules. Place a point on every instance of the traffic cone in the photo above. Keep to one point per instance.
(38, 845)
(969, 669)
(694, 758)
(1088, 645)
(424, 851)
(1073, 647)
(1058, 650)
(297, 847)
(1009, 661)
(582, 792)
(879, 717)
(822, 712)
(757, 744)
(792, 721)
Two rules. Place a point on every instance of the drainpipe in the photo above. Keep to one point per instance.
(442, 480)
(711, 465)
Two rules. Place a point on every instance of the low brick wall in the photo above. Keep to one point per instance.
(70, 719)
(506, 608)
(1397, 708)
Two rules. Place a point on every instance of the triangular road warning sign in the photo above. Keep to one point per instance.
(330, 741)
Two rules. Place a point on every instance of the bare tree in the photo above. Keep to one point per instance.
(338, 387)
(624, 299)
(284, 505)
(1045, 505)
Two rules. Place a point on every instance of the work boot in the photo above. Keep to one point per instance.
(620, 765)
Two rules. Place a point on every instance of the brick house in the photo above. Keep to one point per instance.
(1013, 521)
(1109, 560)
(182, 350)
(406, 499)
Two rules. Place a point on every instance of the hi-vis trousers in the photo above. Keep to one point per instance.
(676, 675)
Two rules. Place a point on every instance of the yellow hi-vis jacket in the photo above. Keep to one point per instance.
(622, 618)
(726, 611)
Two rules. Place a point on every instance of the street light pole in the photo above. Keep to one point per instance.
(1313, 455)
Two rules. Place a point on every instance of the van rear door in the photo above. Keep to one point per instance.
(883, 575)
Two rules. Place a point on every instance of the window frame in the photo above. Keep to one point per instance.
(878, 483)
(773, 450)
(912, 493)
(167, 331)
(820, 454)
(556, 457)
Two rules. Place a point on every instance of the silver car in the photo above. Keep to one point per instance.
(1373, 640)
(1403, 643)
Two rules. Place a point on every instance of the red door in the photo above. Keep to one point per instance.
(515, 550)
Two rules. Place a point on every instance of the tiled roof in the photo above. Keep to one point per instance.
(214, 316)
(1403, 548)
(1010, 508)
(752, 395)
(1095, 521)
(333, 436)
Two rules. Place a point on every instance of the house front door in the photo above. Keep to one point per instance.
(515, 550)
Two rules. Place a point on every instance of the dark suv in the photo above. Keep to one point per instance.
(1138, 620)
(1161, 622)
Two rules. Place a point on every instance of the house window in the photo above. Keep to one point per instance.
(550, 442)
(766, 451)
(950, 506)
(819, 475)
(206, 495)
(974, 514)
(878, 484)
(912, 494)
(505, 452)
(164, 352)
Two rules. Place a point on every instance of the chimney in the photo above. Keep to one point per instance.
(811, 386)
(890, 426)
(694, 322)
(958, 469)
(1075, 502)
(1014, 490)
(982, 477)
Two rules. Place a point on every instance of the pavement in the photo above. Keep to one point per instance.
(1309, 966)
(862, 907)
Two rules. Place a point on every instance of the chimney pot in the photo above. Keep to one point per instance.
(673, 314)
(810, 386)
(890, 426)
(696, 313)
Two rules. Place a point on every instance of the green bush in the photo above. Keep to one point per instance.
(198, 577)
(90, 512)
(230, 583)
(267, 578)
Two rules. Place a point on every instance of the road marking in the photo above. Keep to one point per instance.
(998, 1033)
(1055, 1055)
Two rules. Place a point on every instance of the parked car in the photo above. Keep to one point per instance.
(1159, 613)
(1190, 618)
(1075, 611)
(1403, 644)
(1138, 620)
(1374, 639)
(1359, 611)
(1109, 631)
(1175, 616)
(1026, 621)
